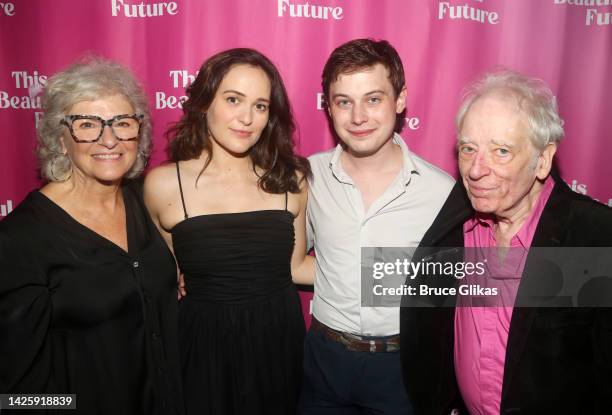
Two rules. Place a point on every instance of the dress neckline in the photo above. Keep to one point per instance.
(243, 213)
(70, 221)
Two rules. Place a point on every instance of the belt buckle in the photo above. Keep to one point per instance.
(347, 340)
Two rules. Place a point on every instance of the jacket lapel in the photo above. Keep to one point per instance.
(456, 210)
(549, 233)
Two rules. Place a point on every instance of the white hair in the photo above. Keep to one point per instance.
(535, 100)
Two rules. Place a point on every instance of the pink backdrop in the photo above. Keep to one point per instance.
(444, 44)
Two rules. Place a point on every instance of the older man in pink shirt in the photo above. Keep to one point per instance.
(502, 359)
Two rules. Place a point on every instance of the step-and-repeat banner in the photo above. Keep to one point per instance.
(443, 44)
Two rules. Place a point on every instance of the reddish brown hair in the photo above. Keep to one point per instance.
(360, 54)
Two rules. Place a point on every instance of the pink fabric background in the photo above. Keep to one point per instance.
(568, 45)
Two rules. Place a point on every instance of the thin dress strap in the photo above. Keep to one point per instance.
(178, 175)
(286, 200)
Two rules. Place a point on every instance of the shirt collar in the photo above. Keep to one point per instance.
(525, 234)
(408, 165)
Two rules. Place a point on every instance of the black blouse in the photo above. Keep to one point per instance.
(80, 315)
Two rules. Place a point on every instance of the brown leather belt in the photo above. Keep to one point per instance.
(356, 343)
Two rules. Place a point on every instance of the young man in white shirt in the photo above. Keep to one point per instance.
(370, 191)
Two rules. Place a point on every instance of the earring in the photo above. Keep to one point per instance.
(144, 159)
(57, 157)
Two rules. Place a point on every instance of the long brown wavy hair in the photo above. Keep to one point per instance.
(273, 152)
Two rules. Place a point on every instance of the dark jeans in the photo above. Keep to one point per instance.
(342, 382)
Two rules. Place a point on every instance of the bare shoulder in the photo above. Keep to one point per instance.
(160, 183)
(163, 172)
(303, 183)
(162, 196)
(297, 201)
(303, 188)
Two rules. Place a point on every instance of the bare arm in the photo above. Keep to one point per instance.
(302, 264)
(154, 194)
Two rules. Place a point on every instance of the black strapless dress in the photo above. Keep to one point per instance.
(241, 328)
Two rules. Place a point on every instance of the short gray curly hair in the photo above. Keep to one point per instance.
(89, 79)
(533, 96)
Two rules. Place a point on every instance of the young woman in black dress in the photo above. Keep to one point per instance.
(232, 205)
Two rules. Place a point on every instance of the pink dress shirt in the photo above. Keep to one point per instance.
(481, 333)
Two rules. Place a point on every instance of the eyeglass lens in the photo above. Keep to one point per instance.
(90, 128)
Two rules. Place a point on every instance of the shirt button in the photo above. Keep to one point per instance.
(135, 264)
(155, 335)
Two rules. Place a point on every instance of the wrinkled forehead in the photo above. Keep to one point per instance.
(495, 109)
(495, 119)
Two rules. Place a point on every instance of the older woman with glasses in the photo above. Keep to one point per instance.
(87, 285)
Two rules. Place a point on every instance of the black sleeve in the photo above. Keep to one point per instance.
(602, 356)
(25, 313)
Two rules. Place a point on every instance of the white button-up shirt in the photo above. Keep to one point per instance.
(338, 227)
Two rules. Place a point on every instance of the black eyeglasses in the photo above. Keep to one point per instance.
(89, 128)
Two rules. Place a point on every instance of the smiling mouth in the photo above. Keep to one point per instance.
(113, 156)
